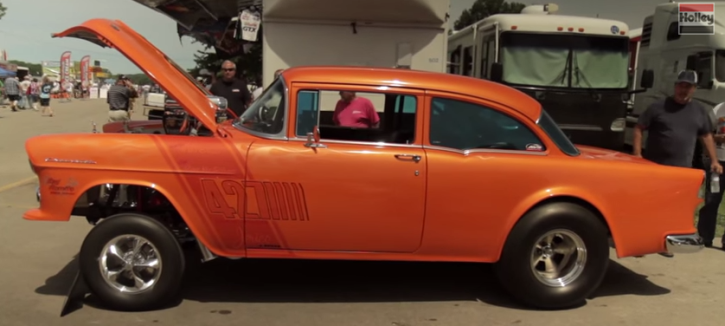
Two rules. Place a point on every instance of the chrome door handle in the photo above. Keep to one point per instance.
(411, 157)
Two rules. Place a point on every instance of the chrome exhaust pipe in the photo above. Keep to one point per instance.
(206, 254)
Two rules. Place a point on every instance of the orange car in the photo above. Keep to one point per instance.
(409, 166)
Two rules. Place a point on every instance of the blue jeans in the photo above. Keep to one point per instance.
(707, 222)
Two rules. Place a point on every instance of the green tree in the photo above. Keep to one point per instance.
(34, 68)
(484, 8)
(249, 64)
(3, 9)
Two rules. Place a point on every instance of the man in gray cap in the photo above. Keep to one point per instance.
(674, 126)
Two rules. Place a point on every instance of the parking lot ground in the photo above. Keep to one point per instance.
(37, 260)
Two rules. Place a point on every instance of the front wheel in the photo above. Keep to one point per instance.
(132, 262)
(555, 256)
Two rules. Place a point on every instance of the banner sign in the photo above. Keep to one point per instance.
(65, 65)
(250, 25)
(85, 70)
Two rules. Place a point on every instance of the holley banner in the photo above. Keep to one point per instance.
(85, 70)
(65, 65)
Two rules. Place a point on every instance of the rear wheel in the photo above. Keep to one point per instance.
(555, 256)
(132, 262)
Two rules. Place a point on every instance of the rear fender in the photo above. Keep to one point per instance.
(536, 198)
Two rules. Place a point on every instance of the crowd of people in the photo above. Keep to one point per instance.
(28, 94)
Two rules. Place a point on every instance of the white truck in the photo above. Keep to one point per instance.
(577, 67)
(663, 52)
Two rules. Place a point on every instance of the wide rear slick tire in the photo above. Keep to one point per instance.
(132, 262)
(544, 236)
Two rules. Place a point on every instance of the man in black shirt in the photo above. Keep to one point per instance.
(233, 89)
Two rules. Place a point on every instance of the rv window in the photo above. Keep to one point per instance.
(546, 60)
(704, 69)
(454, 63)
(468, 61)
(720, 65)
(484, 59)
(673, 32)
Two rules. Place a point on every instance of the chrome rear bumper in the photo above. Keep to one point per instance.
(684, 243)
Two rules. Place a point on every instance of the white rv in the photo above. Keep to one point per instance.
(663, 52)
(577, 67)
(382, 33)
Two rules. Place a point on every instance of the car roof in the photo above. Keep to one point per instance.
(481, 88)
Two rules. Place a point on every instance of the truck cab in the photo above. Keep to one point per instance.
(663, 52)
(576, 67)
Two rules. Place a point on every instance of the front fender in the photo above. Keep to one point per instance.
(60, 189)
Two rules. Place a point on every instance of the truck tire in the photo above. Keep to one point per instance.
(132, 262)
(555, 257)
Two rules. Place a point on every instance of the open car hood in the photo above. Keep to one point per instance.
(115, 34)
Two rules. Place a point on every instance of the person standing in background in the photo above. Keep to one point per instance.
(24, 98)
(233, 89)
(12, 91)
(674, 125)
(33, 92)
(45, 90)
(707, 221)
(118, 101)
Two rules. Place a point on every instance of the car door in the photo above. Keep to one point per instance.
(352, 194)
(483, 161)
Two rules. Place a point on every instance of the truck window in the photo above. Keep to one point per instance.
(571, 61)
(673, 32)
(720, 65)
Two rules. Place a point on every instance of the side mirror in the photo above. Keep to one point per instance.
(316, 134)
(648, 79)
(313, 139)
(222, 105)
(496, 72)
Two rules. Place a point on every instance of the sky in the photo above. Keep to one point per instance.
(25, 30)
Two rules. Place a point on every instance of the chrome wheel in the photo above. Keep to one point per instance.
(130, 264)
(558, 258)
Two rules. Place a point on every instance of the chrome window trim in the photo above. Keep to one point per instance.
(484, 150)
(466, 152)
(282, 135)
(372, 144)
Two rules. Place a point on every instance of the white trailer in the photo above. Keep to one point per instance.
(381, 33)
(663, 52)
(577, 67)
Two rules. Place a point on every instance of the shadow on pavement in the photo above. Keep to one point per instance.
(278, 281)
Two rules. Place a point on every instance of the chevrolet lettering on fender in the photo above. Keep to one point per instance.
(355, 163)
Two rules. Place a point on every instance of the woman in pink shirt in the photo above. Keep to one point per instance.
(353, 111)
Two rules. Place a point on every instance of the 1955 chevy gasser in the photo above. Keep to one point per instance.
(457, 169)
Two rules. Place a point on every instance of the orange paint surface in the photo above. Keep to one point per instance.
(247, 196)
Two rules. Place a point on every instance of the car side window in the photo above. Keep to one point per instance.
(357, 116)
(467, 126)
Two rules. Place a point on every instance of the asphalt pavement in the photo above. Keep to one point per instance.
(37, 260)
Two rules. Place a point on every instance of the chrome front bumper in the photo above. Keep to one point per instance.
(684, 243)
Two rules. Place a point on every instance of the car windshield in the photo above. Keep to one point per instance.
(557, 136)
(188, 76)
(266, 115)
(565, 61)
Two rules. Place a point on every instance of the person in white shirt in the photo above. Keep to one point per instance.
(707, 221)
(24, 99)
